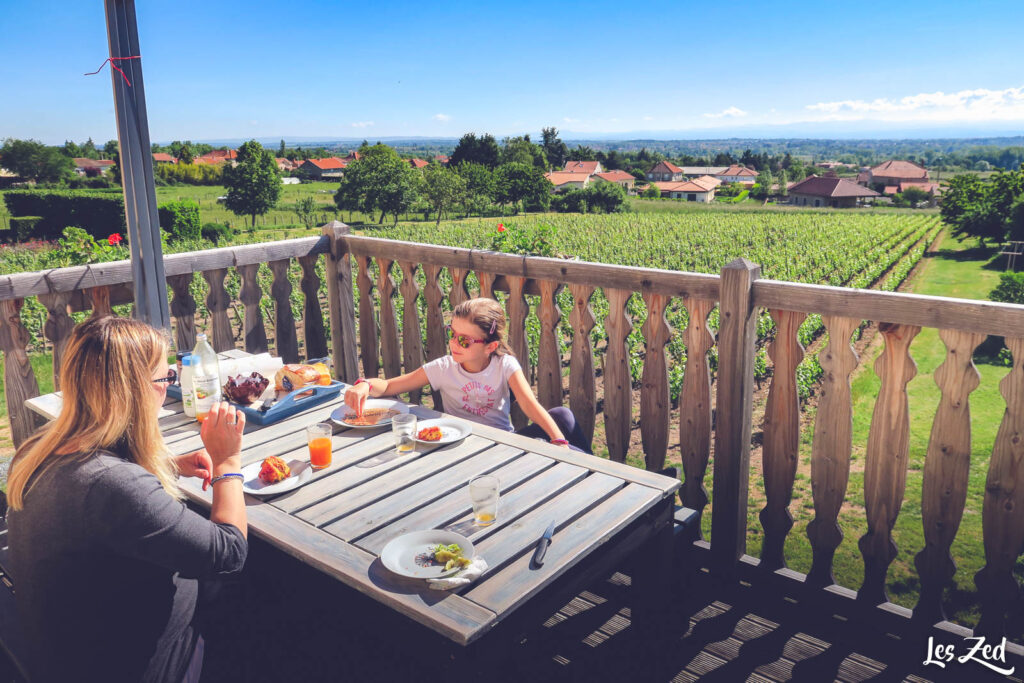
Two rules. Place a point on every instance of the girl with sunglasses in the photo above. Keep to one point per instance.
(475, 378)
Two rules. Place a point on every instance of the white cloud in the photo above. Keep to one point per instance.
(442, 117)
(980, 104)
(362, 124)
(731, 112)
(570, 120)
(648, 118)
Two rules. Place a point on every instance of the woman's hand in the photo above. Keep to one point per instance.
(197, 464)
(222, 434)
(355, 397)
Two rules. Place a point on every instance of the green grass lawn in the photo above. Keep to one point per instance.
(957, 269)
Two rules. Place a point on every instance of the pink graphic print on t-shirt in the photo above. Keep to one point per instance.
(477, 398)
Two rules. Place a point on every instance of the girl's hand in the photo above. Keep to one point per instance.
(197, 464)
(222, 433)
(355, 397)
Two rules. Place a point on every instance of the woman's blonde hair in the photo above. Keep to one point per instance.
(489, 316)
(106, 381)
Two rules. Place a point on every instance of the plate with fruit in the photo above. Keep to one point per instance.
(273, 475)
(427, 554)
(441, 430)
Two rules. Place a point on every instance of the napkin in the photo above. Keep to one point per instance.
(468, 575)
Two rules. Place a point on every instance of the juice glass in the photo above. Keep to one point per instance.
(403, 426)
(319, 438)
(483, 491)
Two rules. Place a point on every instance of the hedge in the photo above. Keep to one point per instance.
(181, 219)
(22, 226)
(98, 213)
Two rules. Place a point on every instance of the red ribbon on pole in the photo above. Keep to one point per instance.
(111, 60)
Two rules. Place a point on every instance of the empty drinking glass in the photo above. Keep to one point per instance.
(483, 491)
(403, 426)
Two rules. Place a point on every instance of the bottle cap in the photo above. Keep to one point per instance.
(186, 360)
(182, 354)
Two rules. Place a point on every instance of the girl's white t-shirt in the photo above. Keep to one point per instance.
(476, 396)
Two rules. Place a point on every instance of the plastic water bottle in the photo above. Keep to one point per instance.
(188, 395)
(205, 377)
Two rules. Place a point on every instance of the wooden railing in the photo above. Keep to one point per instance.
(370, 327)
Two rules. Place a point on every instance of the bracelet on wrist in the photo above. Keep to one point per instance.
(560, 442)
(230, 475)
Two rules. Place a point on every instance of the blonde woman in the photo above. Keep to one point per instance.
(104, 553)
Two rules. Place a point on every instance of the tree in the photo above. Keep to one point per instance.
(483, 150)
(554, 148)
(763, 188)
(185, 154)
(35, 161)
(306, 209)
(652, 192)
(443, 188)
(111, 149)
(280, 150)
(379, 181)
(254, 185)
(783, 183)
(519, 150)
(606, 197)
(915, 195)
(479, 186)
(581, 153)
(517, 182)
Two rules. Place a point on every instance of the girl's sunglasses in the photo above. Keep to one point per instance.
(171, 378)
(463, 340)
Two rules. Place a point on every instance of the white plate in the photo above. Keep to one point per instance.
(342, 412)
(409, 555)
(302, 472)
(451, 430)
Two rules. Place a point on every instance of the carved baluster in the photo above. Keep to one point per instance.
(946, 468)
(312, 312)
(549, 359)
(885, 469)
(218, 301)
(517, 310)
(1003, 511)
(486, 284)
(781, 447)
(618, 383)
(284, 321)
(412, 339)
(19, 380)
(655, 402)
(582, 394)
(57, 328)
(388, 322)
(436, 341)
(253, 332)
(459, 291)
(183, 310)
(368, 340)
(100, 299)
(830, 450)
(695, 405)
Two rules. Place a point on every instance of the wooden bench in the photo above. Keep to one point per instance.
(12, 639)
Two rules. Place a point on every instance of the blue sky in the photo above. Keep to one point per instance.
(223, 69)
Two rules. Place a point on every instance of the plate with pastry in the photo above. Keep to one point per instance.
(377, 412)
(273, 475)
(296, 375)
(441, 430)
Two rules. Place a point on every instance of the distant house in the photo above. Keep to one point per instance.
(825, 191)
(329, 167)
(92, 167)
(663, 171)
(418, 163)
(217, 156)
(164, 158)
(587, 167)
(626, 180)
(708, 181)
(691, 171)
(286, 164)
(353, 156)
(737, 174)
(686, 189)
(567, 180)
(932, 189)
(441, 159)
(888, 175)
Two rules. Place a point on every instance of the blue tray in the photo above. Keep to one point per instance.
(288, 405)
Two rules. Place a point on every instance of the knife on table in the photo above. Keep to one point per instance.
(542, 545)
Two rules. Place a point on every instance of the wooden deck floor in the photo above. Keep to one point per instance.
(712, 632)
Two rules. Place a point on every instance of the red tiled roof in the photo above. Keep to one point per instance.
(864, 177)
(418, 163)
(738, 170)
(328, 164)
(666, 167)
(588, 167)
(441, 158)
(900, 169)
(684, 186)
(708, 181)
(353, 156)
(891, 189)
(615, 176)
(562, 177)
(165, 157)
(817, 186)
(85, 162)
(931, 188)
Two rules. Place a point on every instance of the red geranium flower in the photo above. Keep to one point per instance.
(501, 227)
(114, 239)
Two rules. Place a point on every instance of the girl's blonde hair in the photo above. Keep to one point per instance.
(105, 378)
(489, 316)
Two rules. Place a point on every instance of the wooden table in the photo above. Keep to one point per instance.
(339, 522)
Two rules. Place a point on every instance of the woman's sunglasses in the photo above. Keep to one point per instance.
(171, 378)
(462, 340)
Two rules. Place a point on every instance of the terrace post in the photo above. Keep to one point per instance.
(341, 303)
(737, 334)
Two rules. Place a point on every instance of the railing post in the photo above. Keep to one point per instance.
(342, 305)
(736, 336)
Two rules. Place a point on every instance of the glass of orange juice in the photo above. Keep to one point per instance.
(483, 491)
(319, 438)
